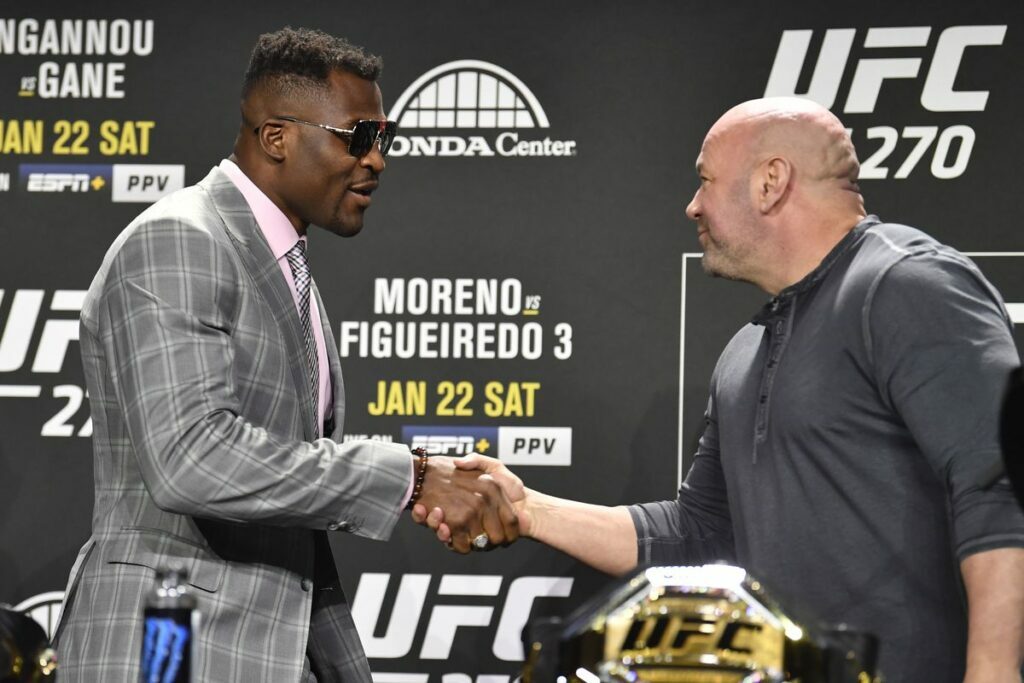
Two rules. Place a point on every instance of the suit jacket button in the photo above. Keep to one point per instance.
(344, 526)
(307, 585)
(334, 526)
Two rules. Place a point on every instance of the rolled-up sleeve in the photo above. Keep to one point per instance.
(695, 528)
(942, 348)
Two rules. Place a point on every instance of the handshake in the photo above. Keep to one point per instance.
(475, 503)
(471, 503)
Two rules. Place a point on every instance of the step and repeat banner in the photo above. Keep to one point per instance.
(527, 285)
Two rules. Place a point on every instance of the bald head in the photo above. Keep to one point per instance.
(778, 190)
(808, 135)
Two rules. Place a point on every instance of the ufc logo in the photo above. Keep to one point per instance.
(937, 94)
(449, 615)
(22, 320)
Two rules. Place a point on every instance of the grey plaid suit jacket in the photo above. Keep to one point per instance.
(204, 455)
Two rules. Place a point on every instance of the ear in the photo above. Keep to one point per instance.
(272, 140)
(773, 179)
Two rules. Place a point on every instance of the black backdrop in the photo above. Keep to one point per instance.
(590, 246)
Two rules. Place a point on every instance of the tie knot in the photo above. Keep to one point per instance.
(297, 256)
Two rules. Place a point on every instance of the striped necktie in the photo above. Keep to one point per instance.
(300, 272)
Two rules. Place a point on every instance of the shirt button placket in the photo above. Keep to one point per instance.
(777, 332)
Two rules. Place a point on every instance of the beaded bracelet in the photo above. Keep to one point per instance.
(421, 474)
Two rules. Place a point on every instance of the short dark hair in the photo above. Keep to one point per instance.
(302, 59)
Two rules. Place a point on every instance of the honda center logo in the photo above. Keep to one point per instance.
(472, 95)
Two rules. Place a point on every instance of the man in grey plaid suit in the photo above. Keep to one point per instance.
(212, 373)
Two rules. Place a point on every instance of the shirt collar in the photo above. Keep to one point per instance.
(275, 226)
(779, 302)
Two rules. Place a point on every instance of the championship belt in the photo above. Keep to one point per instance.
(25, 653)
(710, 624)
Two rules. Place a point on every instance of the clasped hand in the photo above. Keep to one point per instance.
(465, 497)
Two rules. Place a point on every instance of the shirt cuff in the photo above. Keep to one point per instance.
(412, 484)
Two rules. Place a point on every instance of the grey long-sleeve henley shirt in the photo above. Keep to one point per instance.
(850, 455)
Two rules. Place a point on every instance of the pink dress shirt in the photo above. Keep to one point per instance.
(281, 236)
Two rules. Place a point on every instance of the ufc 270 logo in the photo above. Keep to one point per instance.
(34, 339)
(949, 146)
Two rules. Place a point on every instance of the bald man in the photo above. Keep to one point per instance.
(850, 455)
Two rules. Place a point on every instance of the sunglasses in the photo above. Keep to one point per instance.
(360, 137)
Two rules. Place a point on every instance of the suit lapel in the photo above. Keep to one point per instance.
(265, 272)
(334, 362)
